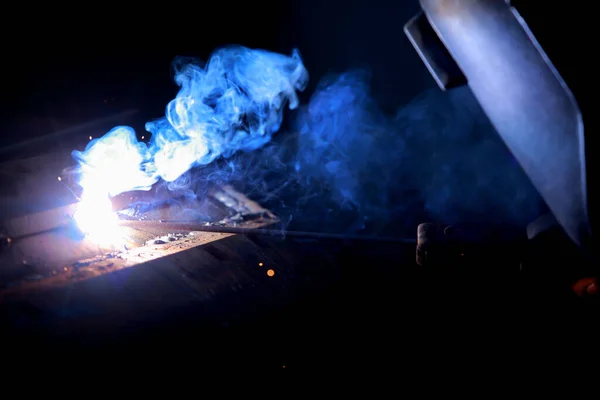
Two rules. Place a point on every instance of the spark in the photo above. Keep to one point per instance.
(97, 220)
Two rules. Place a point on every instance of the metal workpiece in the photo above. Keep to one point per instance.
(433, 53)
(48, 243)
(521, 92)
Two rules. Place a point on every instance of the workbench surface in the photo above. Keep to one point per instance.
(243, 299)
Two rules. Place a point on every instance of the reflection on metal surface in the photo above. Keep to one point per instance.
(46, 246)
(524, 97)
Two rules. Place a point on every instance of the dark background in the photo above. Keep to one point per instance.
(66, 65)
(78, 64)
(82, 62)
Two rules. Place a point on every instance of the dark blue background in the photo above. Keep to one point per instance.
(81, 62)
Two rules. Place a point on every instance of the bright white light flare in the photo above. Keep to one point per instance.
(96, 219)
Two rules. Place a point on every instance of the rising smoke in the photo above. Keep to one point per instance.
(438, 158)
(232, 103)
(343, 165)
(354, 167)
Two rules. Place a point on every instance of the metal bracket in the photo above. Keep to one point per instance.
(520, 91)
(435, 56)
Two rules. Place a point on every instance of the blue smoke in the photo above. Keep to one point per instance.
(349, 166)
(438, 158)
(345, 166)
(232, 103)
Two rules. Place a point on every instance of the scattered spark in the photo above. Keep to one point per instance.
(270, 272)
(260, 264)
(90, 138)
(143, 137)
(59, 179)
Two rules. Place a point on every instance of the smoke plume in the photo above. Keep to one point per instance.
(232, 103)
(341, 165)
(346, 165)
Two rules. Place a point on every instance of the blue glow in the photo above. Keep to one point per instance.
(232, 103)
(346, 165)
(436, 158)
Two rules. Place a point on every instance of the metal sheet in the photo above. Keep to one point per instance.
(45, 247)
(525, 98)
(438, 61)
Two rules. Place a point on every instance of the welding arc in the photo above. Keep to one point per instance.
(189, 227)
